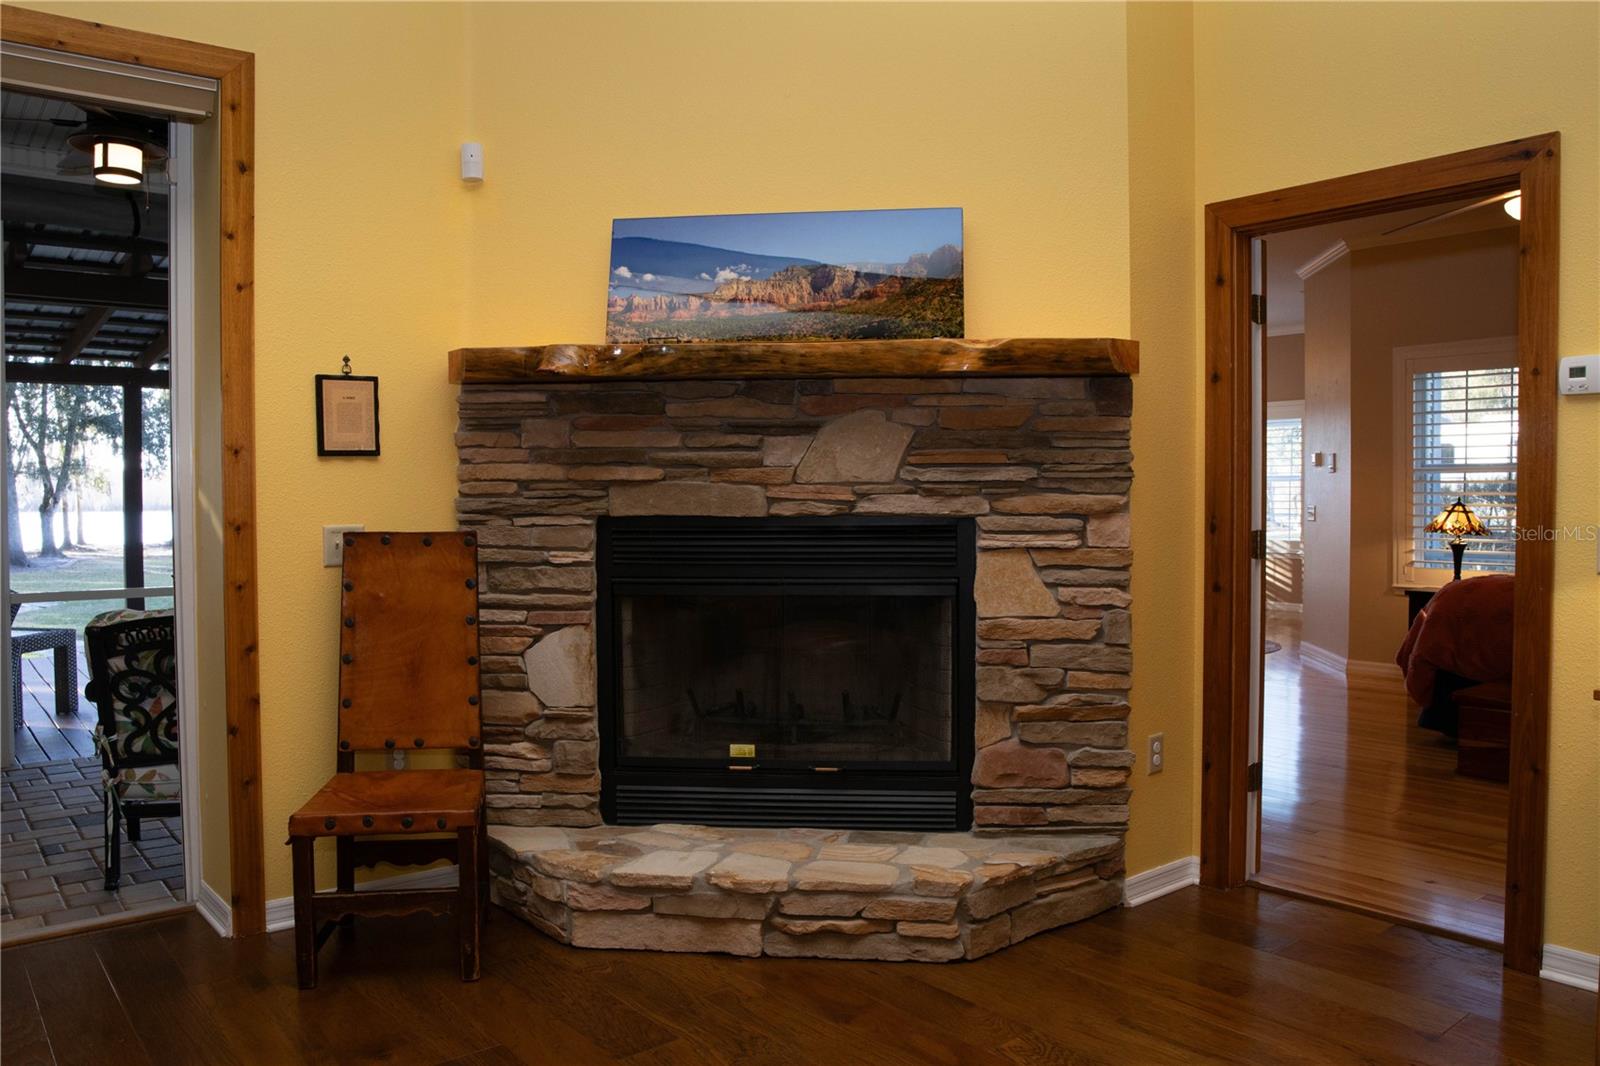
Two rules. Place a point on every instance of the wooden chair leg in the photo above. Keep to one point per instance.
(469, 917)
(483, 871)
(345, 855)
(305, 917)
(113, 814)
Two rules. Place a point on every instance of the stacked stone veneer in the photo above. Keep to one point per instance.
(1042, 464)
(801, 892)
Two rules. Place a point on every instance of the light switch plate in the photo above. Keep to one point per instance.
(333, 543)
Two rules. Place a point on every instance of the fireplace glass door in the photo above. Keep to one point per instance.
(813, 671)
(793, 679)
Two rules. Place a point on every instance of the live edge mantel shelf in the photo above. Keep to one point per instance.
(679, 361)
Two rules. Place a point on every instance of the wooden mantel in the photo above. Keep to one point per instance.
(680, 361)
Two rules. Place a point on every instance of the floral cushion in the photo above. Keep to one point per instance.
(144, 782)
(141, 686)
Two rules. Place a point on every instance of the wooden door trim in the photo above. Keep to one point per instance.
(1533, 165)
(235, 74)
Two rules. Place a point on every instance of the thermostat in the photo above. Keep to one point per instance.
(1580, 375)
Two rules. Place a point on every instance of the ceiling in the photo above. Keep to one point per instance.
(86, 264)
(1293, 249)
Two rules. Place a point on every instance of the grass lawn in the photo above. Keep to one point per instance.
(80, 569)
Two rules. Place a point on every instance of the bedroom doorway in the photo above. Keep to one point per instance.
(1324, 773)
(1388, 396)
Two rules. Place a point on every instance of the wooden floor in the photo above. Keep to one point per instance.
(1361, 806)
(47, 736)
(1195, 977)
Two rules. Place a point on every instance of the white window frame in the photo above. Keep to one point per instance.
(1483, 353)
(1278, 410)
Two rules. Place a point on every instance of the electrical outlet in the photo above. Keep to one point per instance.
(333, 543)
(397, 760)
(1311, 512)
(1158, 752)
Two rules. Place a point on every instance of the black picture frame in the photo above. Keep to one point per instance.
(323, 420)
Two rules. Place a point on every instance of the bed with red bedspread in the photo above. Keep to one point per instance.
(1461, 638)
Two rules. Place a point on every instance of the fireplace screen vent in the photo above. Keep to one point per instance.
(786, 671)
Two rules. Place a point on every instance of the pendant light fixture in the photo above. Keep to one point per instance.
(121, 146)
(117, 161)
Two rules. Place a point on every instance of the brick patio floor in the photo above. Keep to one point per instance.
(52, 851)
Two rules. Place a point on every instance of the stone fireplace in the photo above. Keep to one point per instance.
(700, 666)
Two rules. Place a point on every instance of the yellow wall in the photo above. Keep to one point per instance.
(1294, 92)
(1080, 139)
(1167, 442)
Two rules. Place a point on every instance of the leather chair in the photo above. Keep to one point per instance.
(408, 680)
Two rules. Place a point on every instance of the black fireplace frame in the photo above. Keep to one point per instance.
(934, 555)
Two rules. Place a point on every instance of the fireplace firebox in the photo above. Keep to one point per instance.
(786, 671)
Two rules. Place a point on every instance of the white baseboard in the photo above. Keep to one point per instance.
(215, 910)
(1371, 668)
(1153, 884)
(1576, 968)
(280, 911)
(1321, 658)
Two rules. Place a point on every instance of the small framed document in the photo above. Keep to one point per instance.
(347, 414)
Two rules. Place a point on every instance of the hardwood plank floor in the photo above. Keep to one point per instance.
(1194, 977)
(1360, 806)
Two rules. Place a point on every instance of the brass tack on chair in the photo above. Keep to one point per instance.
(472, 742)
(349, 586)
(472, 660)
(386, 538)
(472, 701)
(417, 741)
(344, 745)
(349, 542)
(405, 822)
(366, 820)
(427, 542)
(350, 621)
(470, 540)
(345, 702)
(347, 658)
(328, 823)
(388, 742)
(472, 619)
(440, 823)
(472, 582)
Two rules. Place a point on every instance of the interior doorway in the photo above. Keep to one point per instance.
(1237, 559)
(98, 774)
(1389, 395)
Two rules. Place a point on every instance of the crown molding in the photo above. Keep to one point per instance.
(1322, 260)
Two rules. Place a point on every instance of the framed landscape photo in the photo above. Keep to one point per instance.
(347, 414)
(797, 276)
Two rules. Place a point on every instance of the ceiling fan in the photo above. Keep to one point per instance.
(116, 147)
(1512, 201)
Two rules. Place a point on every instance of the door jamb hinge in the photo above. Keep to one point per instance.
(1254, 771)
(1258, 309)
(1258, 544)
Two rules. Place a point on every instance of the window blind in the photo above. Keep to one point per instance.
(1285, 503)
(1464, 443)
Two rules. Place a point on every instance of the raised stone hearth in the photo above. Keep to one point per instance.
(1043, 467)
(801, 892)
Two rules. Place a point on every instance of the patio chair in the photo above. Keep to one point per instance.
(133, 683)
(64, 643)
(408, 678)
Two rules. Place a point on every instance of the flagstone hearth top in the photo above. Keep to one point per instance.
(705, 360)
(801, 892)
